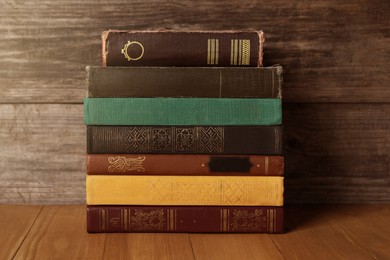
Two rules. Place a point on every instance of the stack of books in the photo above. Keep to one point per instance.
(184, 134)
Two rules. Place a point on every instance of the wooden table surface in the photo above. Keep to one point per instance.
(313, 232)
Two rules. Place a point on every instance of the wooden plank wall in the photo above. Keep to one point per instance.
(336, 93)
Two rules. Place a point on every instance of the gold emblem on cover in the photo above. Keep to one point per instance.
(123, 164)
(126, 53)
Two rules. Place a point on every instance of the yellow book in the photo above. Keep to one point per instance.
(184, 190)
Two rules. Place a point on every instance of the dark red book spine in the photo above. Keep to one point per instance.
(183, 164)
(182, 49)
(188, 219)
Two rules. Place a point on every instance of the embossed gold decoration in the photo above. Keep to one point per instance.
(148, 220)
(239, 52)
(246, 220)
(212, 51)
(126, 54)
(123, 164)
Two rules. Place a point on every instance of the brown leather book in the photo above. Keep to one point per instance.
(227, 82)
(180, 164)
(182, 49)
(264, 140)
(198, 219)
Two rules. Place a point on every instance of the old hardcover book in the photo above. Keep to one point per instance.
(180, 164)
(265, 140)
(182, 49)
(184, 82)
(255, 219)
(185, 190)
(182, 111)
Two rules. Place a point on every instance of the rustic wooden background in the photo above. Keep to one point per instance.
(336, 94)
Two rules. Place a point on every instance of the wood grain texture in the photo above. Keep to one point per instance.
(148, 246)
(237, 246)
(332, 51)
(334, 153)
(43, 154)
(15, 223)
(366, 225)
(313, 235)
(337, 153)
(60, 233)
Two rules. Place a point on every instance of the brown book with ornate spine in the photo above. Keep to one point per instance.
(199, 219)
(182, 48)
(227, 82)
(264, 140)
(181, 164)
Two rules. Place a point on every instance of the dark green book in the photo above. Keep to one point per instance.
(184, 82)
(182, 111)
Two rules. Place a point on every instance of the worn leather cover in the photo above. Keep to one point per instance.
(225, 82)
(185, 219)
(181, 49)
(265, 140)
(180, 164)
(184, 190)
(182, 111)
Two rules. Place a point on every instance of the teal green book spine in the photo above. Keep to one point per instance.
(182, 111)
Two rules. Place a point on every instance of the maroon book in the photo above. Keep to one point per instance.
(182, 49)
(188, 219)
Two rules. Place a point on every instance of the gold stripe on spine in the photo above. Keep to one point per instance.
(228, 220)
(171, 219)
(213, 51)
(168, 219)
(231, 51)
(103, 226)
(208, 50)
(275, 220)
(221, 221)
(266, 165)
(277, 141)
(224, 226)
(125, 220)
(246, 46)
(268, 220)
(235, 51)
(216, 51)
(239, 52)
(99, 219)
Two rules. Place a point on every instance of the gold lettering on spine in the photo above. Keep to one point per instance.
(212, 51)
(231, 51)
(235, 52)
(266, 165)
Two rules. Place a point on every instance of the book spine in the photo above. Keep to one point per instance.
(159, 164)
(180, 111)
(184, 190)
(105, 82)
(185, 219)
(264, 140)
(182, 49)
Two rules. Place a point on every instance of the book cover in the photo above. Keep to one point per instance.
(182, 111)
(182, 48)
(180, 164)
(199, 219)
(227, 82)
(265, 140)
(185, 190)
